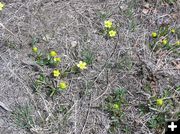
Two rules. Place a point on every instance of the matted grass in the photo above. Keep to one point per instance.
(94, 102)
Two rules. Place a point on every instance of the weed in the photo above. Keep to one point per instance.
(144, 109)
(87, 56)
(127, 130)
(109, 31)
(160, 108)
(147, 88)
(22, 116)
(178, 88)
(114, 106)
(170, 1)
(103, 16)
(157, 121)
(165, 38)
(52, 60)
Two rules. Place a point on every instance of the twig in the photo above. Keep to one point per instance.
(4, 107)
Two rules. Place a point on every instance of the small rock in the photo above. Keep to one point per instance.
(73, 44)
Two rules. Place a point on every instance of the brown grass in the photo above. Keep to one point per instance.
(124, 61)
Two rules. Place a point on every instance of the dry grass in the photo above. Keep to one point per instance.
(124, 61)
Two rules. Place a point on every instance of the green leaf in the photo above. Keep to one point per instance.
(87, 56)
(34, 41)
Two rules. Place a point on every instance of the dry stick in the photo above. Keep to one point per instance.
(75, 113)
(80, 14)
(87, 116)
(16, 12)
(5, 107)
(102, 71)
(10, 32)
(106, 62)
(7, 29)
(104, 91)
(32, 63)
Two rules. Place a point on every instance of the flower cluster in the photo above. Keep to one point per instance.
(53, 57)
(164, 38)
(52, 60)
(109, 29)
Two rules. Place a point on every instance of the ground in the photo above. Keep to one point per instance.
(125, 63)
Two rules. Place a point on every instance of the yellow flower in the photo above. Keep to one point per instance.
(164, 42)
(56, 73)
(57, 59)
(108, 24)
(63, 85)
(53, 53)
(154, 34)
(112, 33)
(82, 65)
(173, 30)
(116, 106)
(1, 6)
(177, 43)
(159, 102)
(35, 49)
